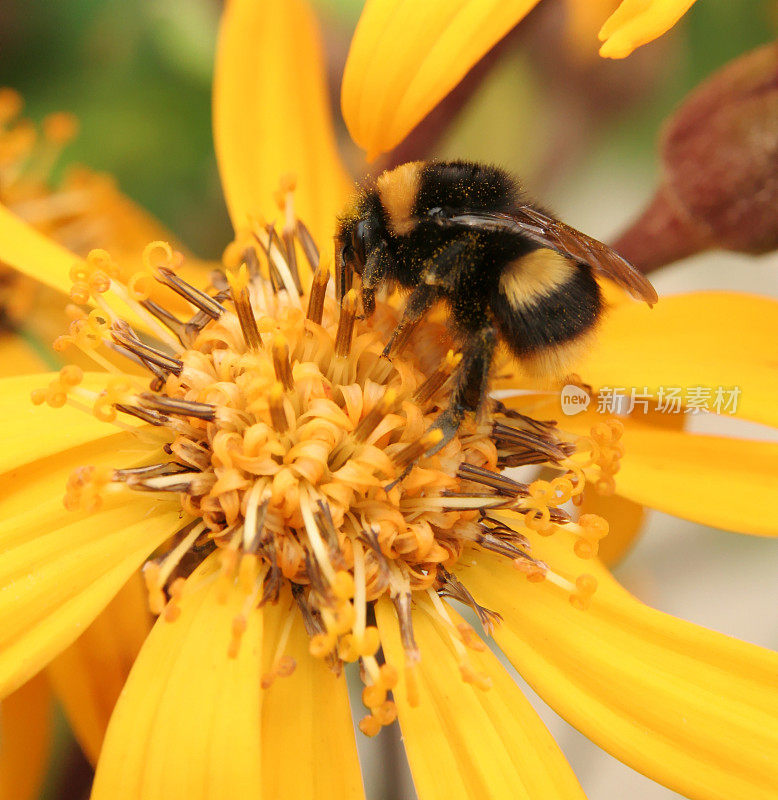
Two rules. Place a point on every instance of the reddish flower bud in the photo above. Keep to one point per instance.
(720, 169)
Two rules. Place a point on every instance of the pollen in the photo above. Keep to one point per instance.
(307, 464)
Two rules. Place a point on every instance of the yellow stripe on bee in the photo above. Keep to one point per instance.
(398, 190)
(530, 277)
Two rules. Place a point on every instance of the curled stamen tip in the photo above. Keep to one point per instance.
(477, 679)
(373, 695)
(156, 248)
(388, 676)
(321, 644)
(585, 587)
(535, 571)
(386, 713)
(369, 725)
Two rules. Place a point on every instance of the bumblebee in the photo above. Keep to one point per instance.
(463, 233)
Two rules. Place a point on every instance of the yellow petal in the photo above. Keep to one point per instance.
(636, 22)
(272, 115)
(706, 339)
(53, 585)
(33, 432)
(406, 56)
(89, 675)
(726, 483)
(715, 480)
(33, 253)
(465, 742)
(25, 737)
(34, 505)
(188, 722)
(689, 708)
(19, 356)
(311, 753)
(625, 520)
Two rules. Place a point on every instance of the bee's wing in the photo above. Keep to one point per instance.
(552, 233)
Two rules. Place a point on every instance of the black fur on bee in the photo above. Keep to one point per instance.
(463, 233)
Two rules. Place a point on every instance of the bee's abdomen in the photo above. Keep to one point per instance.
(545, 306)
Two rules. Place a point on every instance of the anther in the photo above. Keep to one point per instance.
(240, 297)
(432, 385)
(276, 405)
(348, 312)
(123, 334)
(308, 244)
(291, 253)
(178, 406)
(281, 362)
(197, 298)
(415, 450)
(495, 480)
(370, 421)
(318, 292)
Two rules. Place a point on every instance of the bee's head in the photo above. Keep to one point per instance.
(359, 230)
(350, 243)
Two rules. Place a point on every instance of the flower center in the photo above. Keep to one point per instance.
(301, 455)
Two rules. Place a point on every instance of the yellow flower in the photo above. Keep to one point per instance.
(273, 431)
(389, 88)
(82, 210)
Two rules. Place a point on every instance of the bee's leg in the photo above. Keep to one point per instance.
(471, 381)
(343, 275)
(375, 270)
(417, 305)
(439, 276)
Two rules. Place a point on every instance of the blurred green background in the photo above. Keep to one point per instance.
(137, 74)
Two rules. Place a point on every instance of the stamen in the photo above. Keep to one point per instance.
(156, 573)
(415, 450)
(240, 297)
(434, 383)
(281, 363)
(197, 298)
(348, 312)
(370, 421)
(277, 411)
(308, 245)
(318, 292)
(496, 480)
(176, 406)
(126, 337)
(307, 461)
